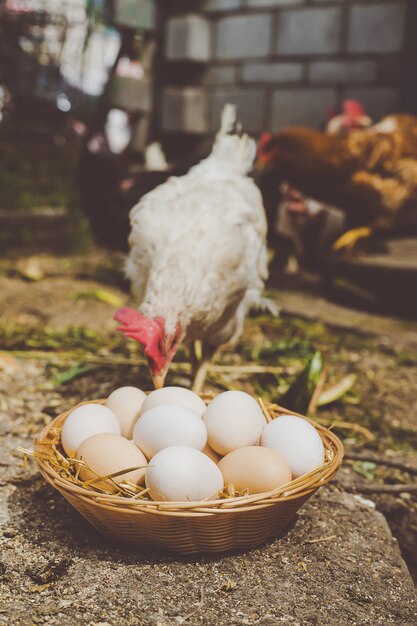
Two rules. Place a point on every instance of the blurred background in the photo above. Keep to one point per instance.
(86, 86)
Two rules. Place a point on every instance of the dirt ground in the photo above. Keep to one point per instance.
(54, 316)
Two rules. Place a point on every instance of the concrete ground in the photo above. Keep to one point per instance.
(338, 564)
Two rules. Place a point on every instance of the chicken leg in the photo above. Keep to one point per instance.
(350, 238)
(202, 355)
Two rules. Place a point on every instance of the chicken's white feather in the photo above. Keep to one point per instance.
(198, 243)
(227, 119)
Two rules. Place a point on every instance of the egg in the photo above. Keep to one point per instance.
(86, 420)
(233, 420)
(169, 425)
(255, 469)
(175, 395)
(106, 453)
(183, 474)
(297, 441)
(126, 403)
(211, 453)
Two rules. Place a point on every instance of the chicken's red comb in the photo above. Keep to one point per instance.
(128, 316)
(137, 326)
(353, 108)
(263, 139)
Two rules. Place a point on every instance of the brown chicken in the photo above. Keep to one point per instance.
(370, 174)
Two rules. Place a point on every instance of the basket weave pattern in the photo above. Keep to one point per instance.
(192, 527)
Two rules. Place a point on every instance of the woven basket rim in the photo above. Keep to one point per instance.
(296, 488)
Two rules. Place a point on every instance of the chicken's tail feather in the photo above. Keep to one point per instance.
(227, 120)
(234, 149)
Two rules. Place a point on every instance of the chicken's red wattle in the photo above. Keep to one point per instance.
(147, 331)
(159, 346)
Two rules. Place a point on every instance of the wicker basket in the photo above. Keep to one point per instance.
(193, 527)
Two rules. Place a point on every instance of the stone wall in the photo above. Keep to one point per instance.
(281, 61)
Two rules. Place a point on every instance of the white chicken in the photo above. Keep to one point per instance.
(198, 257)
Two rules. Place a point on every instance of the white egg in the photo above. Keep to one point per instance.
(175, 395)
(126, 403)
(86, 420)
(183, 474)
(169, 425)
(234, 420)
(297, 441)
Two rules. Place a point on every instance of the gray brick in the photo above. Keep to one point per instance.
(131, 93)
(220, 75)
(272, 3)
(306, 107)
(188, 38)
(390, 69)
(378, 101)
(272, 72)
(219, 5)
(185, 110)
(135, 14)
(243, 36)
(309, 31)
(377, 27)
(250, 107)
(342, 71)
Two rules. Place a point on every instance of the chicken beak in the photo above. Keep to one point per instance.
(159, 379)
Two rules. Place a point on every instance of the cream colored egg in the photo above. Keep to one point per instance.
(211, 453)
(297, 441)
(234, 419)
(169, 425)
(86, 420)
(183, 474)
(255, 469)
(126, 403)
(106, 454)
(175, 395)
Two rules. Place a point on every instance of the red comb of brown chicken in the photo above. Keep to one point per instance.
(353, 117)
